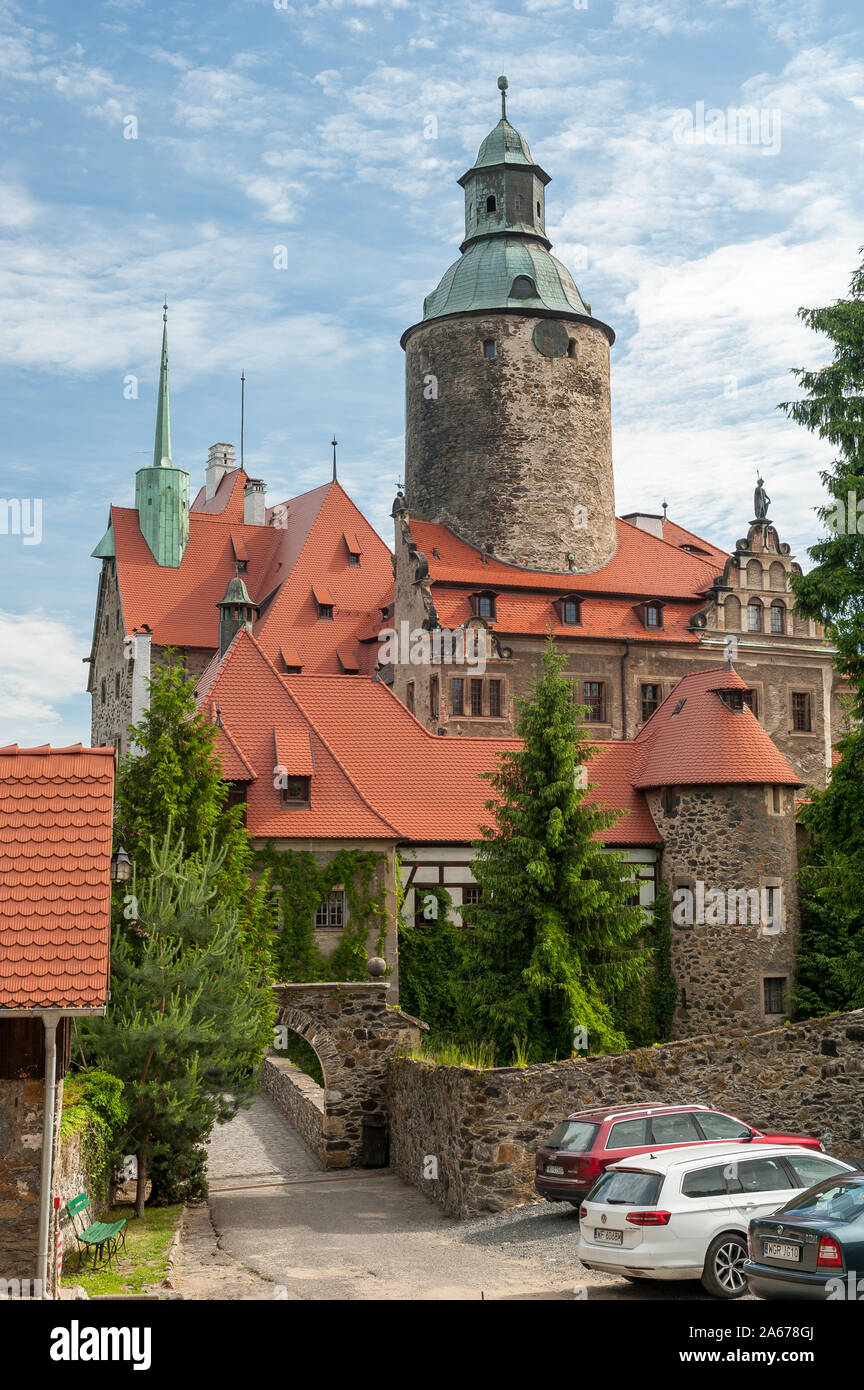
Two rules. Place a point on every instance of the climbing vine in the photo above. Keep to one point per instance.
(94, 1108)
(297, 884)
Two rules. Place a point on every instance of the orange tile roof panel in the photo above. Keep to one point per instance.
(56, 811)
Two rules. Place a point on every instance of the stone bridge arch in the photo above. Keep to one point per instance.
(354, 1032)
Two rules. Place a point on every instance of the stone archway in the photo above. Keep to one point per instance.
(354, 1032)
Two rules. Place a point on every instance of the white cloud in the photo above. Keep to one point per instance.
(42, 671)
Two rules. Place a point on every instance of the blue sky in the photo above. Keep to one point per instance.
(307, 126)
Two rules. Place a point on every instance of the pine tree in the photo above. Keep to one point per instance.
(832, 407)
(182, 1030)
(554, 939)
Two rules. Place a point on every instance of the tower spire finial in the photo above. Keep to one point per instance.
(334, 441)
(503, 84)
(162, 446)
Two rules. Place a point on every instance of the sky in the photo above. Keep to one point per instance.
(285, 173)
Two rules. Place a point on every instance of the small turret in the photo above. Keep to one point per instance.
(235, 611)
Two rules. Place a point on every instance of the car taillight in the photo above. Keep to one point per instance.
(583, 1212)
(649, 1218)
(829, 1254)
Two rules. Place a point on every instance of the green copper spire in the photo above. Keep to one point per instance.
(162, 491)
(162, 447)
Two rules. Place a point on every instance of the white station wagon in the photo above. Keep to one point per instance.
(684, 1213)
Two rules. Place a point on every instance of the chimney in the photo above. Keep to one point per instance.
(254, 505)
(646, 521)
(220, 460)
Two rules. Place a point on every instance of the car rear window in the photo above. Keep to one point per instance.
(573, 1136)
(627, 1188)
(674, 1129)
(627, 1134)
(705, 1182)
(813, 1169)
(838, 1199)
(715, 1125)
(757, 1175)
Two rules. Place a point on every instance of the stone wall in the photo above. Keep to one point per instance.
(21, 1111)
(483, 1127)
(354, 1033)
(729, 839)
(299, 1097)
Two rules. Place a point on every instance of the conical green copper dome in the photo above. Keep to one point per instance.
(484, 278)
(503, 145)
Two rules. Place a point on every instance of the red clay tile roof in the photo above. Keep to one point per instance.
(705, 742)
(534, 613)
(302, 545)
(56, 807)
(378, 773)
(643, 566)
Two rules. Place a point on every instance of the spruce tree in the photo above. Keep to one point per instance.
(182, 1029)
(554, 939)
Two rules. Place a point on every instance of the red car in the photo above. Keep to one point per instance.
(571, 1160)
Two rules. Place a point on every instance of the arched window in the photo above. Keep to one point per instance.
(523, 287)
(517, 204)
(800, 625)
(732, 615)
(777, 577)
(489, 348)
(572, 349)
(490, 203)
(778, 617)
(538, 209)
(754, 575)
(754, 616)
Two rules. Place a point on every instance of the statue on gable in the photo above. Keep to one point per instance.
(761, 501)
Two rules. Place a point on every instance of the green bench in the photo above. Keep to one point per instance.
(102, 1237)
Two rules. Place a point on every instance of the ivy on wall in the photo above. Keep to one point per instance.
(431, 962)
(94, 1108)
(297, 884)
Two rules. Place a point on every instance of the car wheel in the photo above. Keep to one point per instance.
(723, 1275)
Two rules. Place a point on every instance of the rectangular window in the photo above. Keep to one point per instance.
(801, 721)
(433, 697)
(296, 791)
(494, 688)
(776, 800)
(409, 696)
(594, 696)
(476, 697)
(325, 611)
(457, 696)
(331, 913)
(517, 204)
(650, 700)
(471, 895)
(353, 559)
(570, 612)
(774, 992)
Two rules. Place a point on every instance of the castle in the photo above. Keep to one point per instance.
(710, 699)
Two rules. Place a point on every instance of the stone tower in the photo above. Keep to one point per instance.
(508, 428)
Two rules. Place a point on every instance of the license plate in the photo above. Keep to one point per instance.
(555, 1169)
(608, 1237)
(776, 1251)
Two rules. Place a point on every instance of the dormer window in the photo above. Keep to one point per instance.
(323, 602)
(325, 612)
(296, 791)
(523, 287)
(490, 203)
(354, 548)
(483, 605)
(570, 610)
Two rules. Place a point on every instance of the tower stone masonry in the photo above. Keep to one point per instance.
(508, 417)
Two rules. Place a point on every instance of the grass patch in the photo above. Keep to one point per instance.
(144, 1263)
(446, 1053)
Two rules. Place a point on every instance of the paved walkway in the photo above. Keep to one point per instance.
(287, 1229)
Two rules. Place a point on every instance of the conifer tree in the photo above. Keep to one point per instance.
(182, 1029)
(831, 957)
(554, 939)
